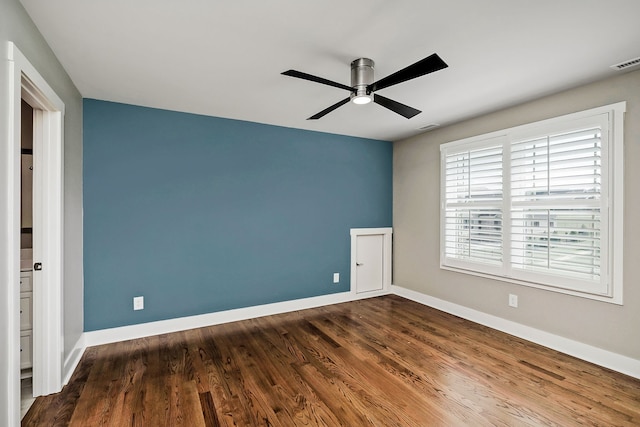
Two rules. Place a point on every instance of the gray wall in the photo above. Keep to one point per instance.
(416, 196)
(16, 26)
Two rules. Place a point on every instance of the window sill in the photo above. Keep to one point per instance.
(615, 299)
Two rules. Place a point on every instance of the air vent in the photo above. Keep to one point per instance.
(627, 64)
(429, 126)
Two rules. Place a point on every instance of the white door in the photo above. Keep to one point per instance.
(369, 263)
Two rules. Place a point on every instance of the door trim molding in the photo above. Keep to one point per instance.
(386, 232)
(26, 83)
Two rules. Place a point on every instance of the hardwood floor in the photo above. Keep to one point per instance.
(383, 361)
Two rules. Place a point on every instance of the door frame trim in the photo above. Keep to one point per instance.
(386, 232)
(26, 83)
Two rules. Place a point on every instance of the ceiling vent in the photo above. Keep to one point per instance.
(627, 64)
(429, 127)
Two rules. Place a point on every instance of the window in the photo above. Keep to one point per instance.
(539, 204)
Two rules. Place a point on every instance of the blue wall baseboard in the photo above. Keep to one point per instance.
(201, 214)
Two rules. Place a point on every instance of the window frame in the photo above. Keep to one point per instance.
(611, 257)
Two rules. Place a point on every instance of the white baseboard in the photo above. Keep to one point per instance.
(123, 333)
(71, 362)
(607, 359)
(617, 362)
(105, 336)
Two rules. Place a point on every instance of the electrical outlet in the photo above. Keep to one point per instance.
(138, 303)
(513, 300)
(336, 277)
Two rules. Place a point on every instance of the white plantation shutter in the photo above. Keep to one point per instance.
(473, 205)
(536, 204)
(556, 185)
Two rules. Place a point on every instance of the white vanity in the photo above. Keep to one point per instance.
(26, 315)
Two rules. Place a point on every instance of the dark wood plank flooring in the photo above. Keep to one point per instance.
(383, 361)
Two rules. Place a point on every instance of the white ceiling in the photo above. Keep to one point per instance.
(224, 58)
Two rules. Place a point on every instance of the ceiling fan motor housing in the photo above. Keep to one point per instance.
(361, 76)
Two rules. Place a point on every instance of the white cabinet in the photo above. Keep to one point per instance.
(25, 281)
(25, 311)
(26, 323)
(26, 358)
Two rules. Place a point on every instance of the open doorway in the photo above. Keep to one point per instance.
(26, 258)
(45, 285)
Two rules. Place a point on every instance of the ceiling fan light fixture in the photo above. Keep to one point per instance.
(361, 99)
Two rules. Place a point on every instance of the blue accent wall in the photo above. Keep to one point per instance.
(201, 214)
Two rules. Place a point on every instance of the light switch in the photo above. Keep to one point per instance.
(336, 277)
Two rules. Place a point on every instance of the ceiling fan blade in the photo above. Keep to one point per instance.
(328, 110)
(305, 76)
(395, 106)
(425, 66)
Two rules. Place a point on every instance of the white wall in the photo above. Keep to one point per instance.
(416, 197)
(16, 26)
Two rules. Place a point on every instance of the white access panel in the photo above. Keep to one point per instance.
(370, 261)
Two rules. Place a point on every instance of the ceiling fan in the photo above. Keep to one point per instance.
(363, 87)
